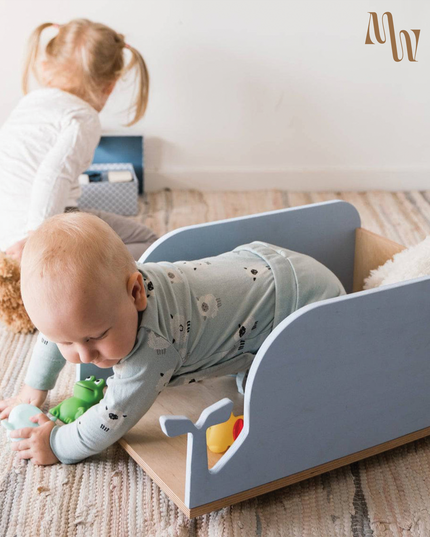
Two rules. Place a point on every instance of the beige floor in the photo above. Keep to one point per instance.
(109, 495)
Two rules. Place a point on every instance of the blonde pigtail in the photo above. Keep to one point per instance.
(86, 59)
(32, 54)
(141, 102)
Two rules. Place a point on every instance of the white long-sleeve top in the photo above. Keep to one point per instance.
(46, 143)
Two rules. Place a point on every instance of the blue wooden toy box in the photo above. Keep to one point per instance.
(351, 372)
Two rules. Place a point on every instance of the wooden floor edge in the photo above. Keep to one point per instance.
(305, 474)
(164, 487)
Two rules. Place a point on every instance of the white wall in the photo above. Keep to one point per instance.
(253, 94)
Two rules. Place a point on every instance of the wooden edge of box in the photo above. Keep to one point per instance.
(163, 484)
(371, 251)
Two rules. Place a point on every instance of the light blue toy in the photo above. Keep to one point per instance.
(86, 393)
(19, 418)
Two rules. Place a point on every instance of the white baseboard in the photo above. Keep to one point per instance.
(296, 179)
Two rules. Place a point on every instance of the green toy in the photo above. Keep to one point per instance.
(86, 393)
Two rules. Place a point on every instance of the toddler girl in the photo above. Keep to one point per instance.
(50, 137)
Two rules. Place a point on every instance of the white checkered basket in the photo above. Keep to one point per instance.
(119, 198)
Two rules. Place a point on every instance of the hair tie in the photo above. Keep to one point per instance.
(56, 26)
(126, 45)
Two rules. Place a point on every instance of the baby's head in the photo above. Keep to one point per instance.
(81, 288)
(86, 58)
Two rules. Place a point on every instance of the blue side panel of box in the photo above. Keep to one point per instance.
(113, 149)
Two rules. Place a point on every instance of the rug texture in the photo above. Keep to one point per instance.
(110, 496)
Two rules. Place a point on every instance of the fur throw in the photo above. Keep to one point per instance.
(408, 264)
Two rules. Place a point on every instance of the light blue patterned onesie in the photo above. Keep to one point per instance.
(204, 318)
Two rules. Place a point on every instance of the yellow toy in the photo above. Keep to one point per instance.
(220, 437)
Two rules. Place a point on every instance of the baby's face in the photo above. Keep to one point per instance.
(96, 326)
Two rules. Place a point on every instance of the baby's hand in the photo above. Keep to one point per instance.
(26, 395)
(35, 444)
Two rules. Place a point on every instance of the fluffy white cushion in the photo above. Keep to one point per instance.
(413, 262)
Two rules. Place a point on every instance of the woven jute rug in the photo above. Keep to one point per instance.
(110, 496)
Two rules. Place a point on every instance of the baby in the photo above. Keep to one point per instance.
(156, 324)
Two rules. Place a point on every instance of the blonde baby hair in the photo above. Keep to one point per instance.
(76, 249)
(85, 58)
